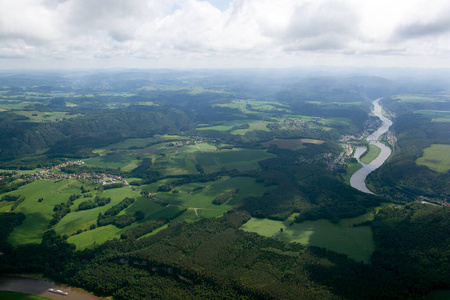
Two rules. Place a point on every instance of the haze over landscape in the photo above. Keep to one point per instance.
(224, 149)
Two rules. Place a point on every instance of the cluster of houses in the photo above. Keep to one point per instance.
(192, 141)
(50, 174)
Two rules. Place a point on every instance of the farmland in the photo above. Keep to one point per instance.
(137, 184)
(436, 157)
(435, 115)
(356, 242)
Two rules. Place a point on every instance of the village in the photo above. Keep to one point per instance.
(54, 174)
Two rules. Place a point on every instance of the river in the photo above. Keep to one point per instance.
(358, 180)
(40, 287)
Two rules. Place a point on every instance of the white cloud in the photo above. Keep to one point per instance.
(244, 32)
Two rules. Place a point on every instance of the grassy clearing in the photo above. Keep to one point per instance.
(19, 296)
(240, 159)
(292, 143)
(259, 125)
(435, 115)
(417, 98)
(224, 126)
(264, 227)
(351, 169)
(436, 157)
(337, 121)
(248, 106)
(93, 238)
(356, 242)
(373, 153)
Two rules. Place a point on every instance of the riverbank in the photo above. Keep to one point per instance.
(34, 284)
(358, 179)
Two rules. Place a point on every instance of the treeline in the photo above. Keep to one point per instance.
(221, 199)
(8, 221)
(110, 216)
(144, 228)
(61, 210)
(89, 204)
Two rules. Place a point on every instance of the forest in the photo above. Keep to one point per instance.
(140, 188)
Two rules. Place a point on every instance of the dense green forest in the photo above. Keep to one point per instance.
(136, 184)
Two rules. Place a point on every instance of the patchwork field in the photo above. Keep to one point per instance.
(436, 157)
(200, 195)
(39, 214)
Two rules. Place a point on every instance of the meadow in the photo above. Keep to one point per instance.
(356, 242)
(435, 115)
(257, 125)
(351, 169)
(436, 157)
(292, 144)
(200, 195)
(370, 155)
(39, 214)
(240, 159)
(417, 98)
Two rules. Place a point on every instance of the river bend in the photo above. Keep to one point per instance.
(358, 180)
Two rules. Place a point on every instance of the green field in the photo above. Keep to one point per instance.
(240, 159)
(112, 160)
(258, 125)
(436, 157)
(264, 227)
(291, 143)
(417, 98)
(356, 242)
(224, 126)
(19, 296)
(336, 121)
(201, 195)
(369, 156)
(351, 169)
(435, 115)
(265, 106)
(38, 214)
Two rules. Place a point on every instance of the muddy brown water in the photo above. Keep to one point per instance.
(40, 287)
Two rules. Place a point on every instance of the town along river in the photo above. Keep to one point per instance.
(40, 287)
(358, 179)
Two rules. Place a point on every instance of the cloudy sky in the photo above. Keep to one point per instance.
(224, 33)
